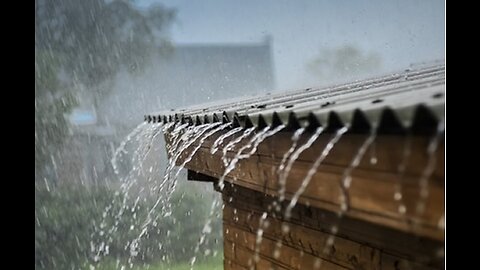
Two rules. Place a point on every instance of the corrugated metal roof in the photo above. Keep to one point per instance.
(409, 100)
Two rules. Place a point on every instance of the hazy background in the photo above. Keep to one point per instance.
(100, 65)
(398, 32)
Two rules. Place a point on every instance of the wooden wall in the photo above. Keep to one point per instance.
(372, 234)
(357, 245)
(373, 185)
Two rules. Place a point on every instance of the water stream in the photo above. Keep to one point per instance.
(185, 140)
(345, 183)
(144, 135)
(429, 169)
(402, 167)
(283, 177)
(313, 169)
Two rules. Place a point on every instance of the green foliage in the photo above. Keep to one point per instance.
(95, 38)
(213, 263)
(87, 42)
(63, 224)
(190, 214)
(52, 101)
(68, 220)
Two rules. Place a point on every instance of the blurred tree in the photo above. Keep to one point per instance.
(95, 38)
(344, 62)
(85, 43)
(65, 229)
(51, 102)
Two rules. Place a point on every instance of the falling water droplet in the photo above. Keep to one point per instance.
(313, 170)
(441, 223)
(276, 253)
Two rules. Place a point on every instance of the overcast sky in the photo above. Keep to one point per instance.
(401, 32)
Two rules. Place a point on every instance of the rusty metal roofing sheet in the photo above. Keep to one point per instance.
(409, 100)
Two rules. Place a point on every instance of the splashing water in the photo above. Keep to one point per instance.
(176, 137)
(220, 139)
(296, 135)
(203, 137)
(429, 169)
(283, 170)
(346, 180)
(313, 170)
(186, 140)
(398, 190)
(185, 136)
(373, 153)
(262, 225)
(253, 144)
(207, 229)
(192, 134)
(260, 138)
(181, 138)
(345, 184)
(229, 146)
(121, 148)
(283, 178)
(202, 140)
(144, 135)
(441, 222)
(140, 129)
(232, 144)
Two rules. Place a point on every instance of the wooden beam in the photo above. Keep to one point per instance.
(373, 185)
(358, 245)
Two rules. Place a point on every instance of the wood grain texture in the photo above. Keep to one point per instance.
(358, 244)
(373, 185)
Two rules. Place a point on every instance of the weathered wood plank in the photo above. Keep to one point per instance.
(390, 262)
(242, 258)
(289, 257)
(371, 192)
(348, 253)
(388, 150)
(232, 265)
(357, 243)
